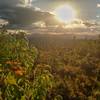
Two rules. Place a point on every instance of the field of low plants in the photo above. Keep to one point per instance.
(48, 73)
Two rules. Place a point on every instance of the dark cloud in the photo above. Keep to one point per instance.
(14, 14)
(24, 15)
(11, 2)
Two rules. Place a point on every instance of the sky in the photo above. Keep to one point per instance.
(33, 11)
(87, 9)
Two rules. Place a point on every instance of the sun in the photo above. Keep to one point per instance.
(65, 13)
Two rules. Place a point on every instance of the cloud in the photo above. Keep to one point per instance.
(40, 24)
(11, 2)
(35, 16)
(78, 23)
(25, 15)
(19, 12)
(3, 22)
(90, 24)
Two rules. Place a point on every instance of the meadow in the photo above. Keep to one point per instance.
(45, 67)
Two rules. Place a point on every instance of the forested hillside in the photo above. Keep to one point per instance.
(64, 70)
